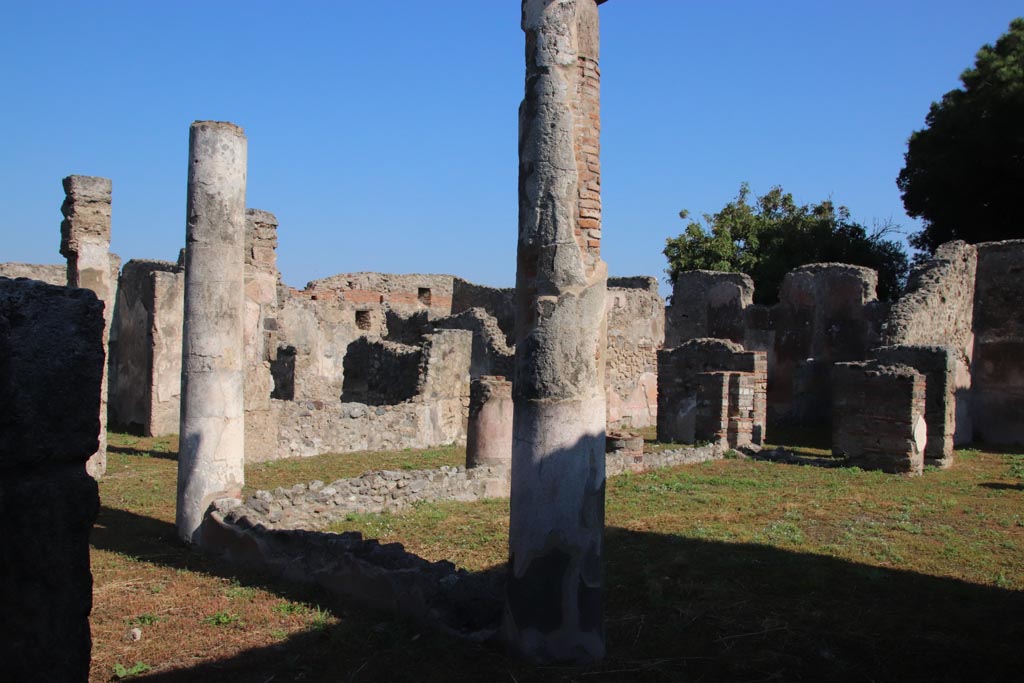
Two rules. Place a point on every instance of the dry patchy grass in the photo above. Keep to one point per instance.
(730, 570)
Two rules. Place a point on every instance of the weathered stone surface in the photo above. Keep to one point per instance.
(997, 391)
(878, 419)
(679, 371)
(725, 408)
(636, 330)
(938, 364)
(145, 375)
(489, 437)
(51, 369)
(708, 304)
(554, 608)
(212, 450)
(51, 365)
(52, 275)
(85, 242)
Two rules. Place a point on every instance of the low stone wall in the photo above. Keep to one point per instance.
(315, 505)
(51, 275)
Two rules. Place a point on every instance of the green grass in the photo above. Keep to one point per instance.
(728, 570)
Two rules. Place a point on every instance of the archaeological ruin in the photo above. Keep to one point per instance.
(544, 383)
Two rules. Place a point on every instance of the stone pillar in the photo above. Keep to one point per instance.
(489, 436)
(85, 243)
(51, 369)
(553, 611)
(212, 452)
(878, 416)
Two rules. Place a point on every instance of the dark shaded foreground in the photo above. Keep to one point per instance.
(678, 609)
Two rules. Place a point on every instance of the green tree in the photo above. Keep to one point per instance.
(771, 235)
(964, 172)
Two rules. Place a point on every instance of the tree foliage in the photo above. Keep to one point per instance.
(771, 235)
(964, 172)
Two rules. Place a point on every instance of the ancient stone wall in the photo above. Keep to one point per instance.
(708, 304)
(491, 354)
(679, 372)
(499, 302)
(636, 330)
(145, 373)
(51, 370)
(380, 373)
(878, 420)
(997, 391)
(938, 365)
(53, 275)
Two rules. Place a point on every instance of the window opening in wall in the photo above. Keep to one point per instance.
(363, 320)
(424, 295)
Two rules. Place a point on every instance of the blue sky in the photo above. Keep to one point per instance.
(383, 134)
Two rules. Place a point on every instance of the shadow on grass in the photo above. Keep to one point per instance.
(677, 609)
(999, 486)
(143, 453)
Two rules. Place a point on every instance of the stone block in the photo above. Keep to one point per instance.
(51, 367)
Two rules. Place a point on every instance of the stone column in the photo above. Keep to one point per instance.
(85, 243)
(489, 435)
(553, 611)
(212, 452)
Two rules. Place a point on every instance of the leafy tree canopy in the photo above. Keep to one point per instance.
(964, 172)
(771, 235)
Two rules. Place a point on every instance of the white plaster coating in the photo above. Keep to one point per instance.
(212, 451)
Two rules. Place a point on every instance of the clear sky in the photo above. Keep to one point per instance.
(383, 134)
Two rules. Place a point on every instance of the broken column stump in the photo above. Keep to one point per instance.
(51, 369)
(878, 416)
(554, 604)
(212, 451)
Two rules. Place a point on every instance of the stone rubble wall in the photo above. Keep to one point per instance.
(636, 330)
(827, 313)
(491, 353)
(380, 372)
(51, 275)
(317, 505)
(997, 370)
(51, 370)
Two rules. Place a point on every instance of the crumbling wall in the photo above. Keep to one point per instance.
(53, 275)
(636, 330)
(878, 420)
(938, 309)
(491, 354)
(679, 380)
(51, 370)
(499, 302)
(145, 374)
(997, 392)
(399, 292)
(380, 373)
(708, 304)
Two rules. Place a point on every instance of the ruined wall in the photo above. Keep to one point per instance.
(53, 275)
(51, 369)
(499, 302)
(636, 330)
(997, 392)
(491, 353)
(708, 304)
(400, 292)
(435, 415)
(679, 380)
(380, 373)
(879, 416)
(145, 374)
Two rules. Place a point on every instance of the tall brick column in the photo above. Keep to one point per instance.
(554, 607)
(85, 243)
(212, 452)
